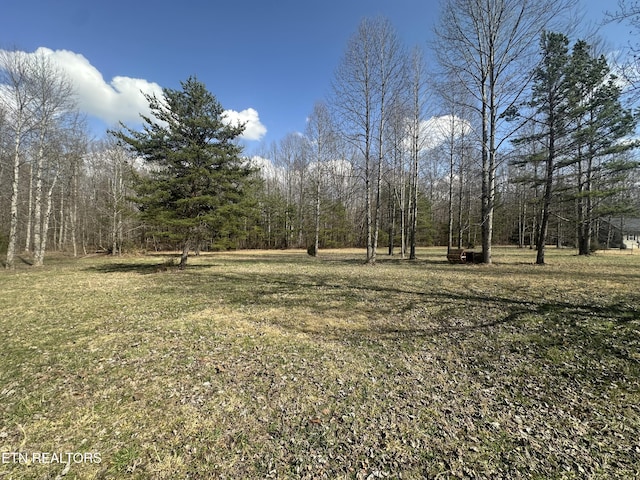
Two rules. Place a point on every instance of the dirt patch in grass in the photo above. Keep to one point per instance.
(279, 365)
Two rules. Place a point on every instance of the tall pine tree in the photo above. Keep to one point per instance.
(600, 124)
(580, 128)
(196, 183)
(549, 104)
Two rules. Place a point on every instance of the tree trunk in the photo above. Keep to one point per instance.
(622, 244)
(38, 204)
(316, 243)
(581, 208)
(27, 242)
(61, 227)
(588, 222)
(39, 256)
(114, 231)
(486, 181)
(548, 192)
(544, 223)
(522, 219)
(413, 215)
(460, 197)
(73, 214)
(377, 212)
(184, 255)
(450, 202)
(13, 229)
(392, 220)
(487, 219)
(367, 206)
(403, 216)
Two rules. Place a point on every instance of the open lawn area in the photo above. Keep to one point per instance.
(254, 365)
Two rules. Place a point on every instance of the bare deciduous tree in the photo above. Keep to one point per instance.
(52, 99)
(366, 83)
(15, 100)
(629, 12)
(320, 133)
(486, 45)
(417, 82)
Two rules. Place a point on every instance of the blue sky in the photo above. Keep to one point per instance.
(266, 62)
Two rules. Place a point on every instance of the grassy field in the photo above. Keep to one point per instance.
(255, 365)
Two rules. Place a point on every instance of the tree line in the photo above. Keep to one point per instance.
(517, 134)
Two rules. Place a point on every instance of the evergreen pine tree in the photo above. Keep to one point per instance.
(196, 183)
(600, 124)
(550, 115)
(579, 124)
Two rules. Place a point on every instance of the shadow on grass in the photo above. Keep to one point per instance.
(169, 262)
(22, 262)
(143, 265)
(142, 268)
(609, 329)
(592, 339)
(391, 313)
(26, 261)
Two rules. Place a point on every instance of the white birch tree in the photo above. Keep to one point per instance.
(52, 99)
(418, 96)
(320, 134)
(15, 100)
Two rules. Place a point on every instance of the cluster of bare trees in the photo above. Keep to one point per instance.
(487, 48)
(58, 191)
(110, 222)
(486, 51)
(462, 152)
(42, 141)
(308, 195)
(354, 174)
(313, 191)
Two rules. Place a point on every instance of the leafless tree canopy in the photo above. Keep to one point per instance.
(488, 46)
(402, 150)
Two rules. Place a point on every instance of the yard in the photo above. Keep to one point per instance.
(253, 365)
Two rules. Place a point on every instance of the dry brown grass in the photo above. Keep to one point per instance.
(279, 365)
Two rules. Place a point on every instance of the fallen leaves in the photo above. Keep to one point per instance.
(408, 370)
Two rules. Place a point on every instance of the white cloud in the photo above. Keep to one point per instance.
(437, 130)
(122, 99)
(254, 129)
(268, 170)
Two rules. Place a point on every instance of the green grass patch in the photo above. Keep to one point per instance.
(280, 365)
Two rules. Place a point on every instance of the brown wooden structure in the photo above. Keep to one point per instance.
(457, 255)
(460, 255)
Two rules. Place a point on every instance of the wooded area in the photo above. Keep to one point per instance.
(517, 140)
(514, 135)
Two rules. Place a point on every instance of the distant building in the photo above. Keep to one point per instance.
(621, 233)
